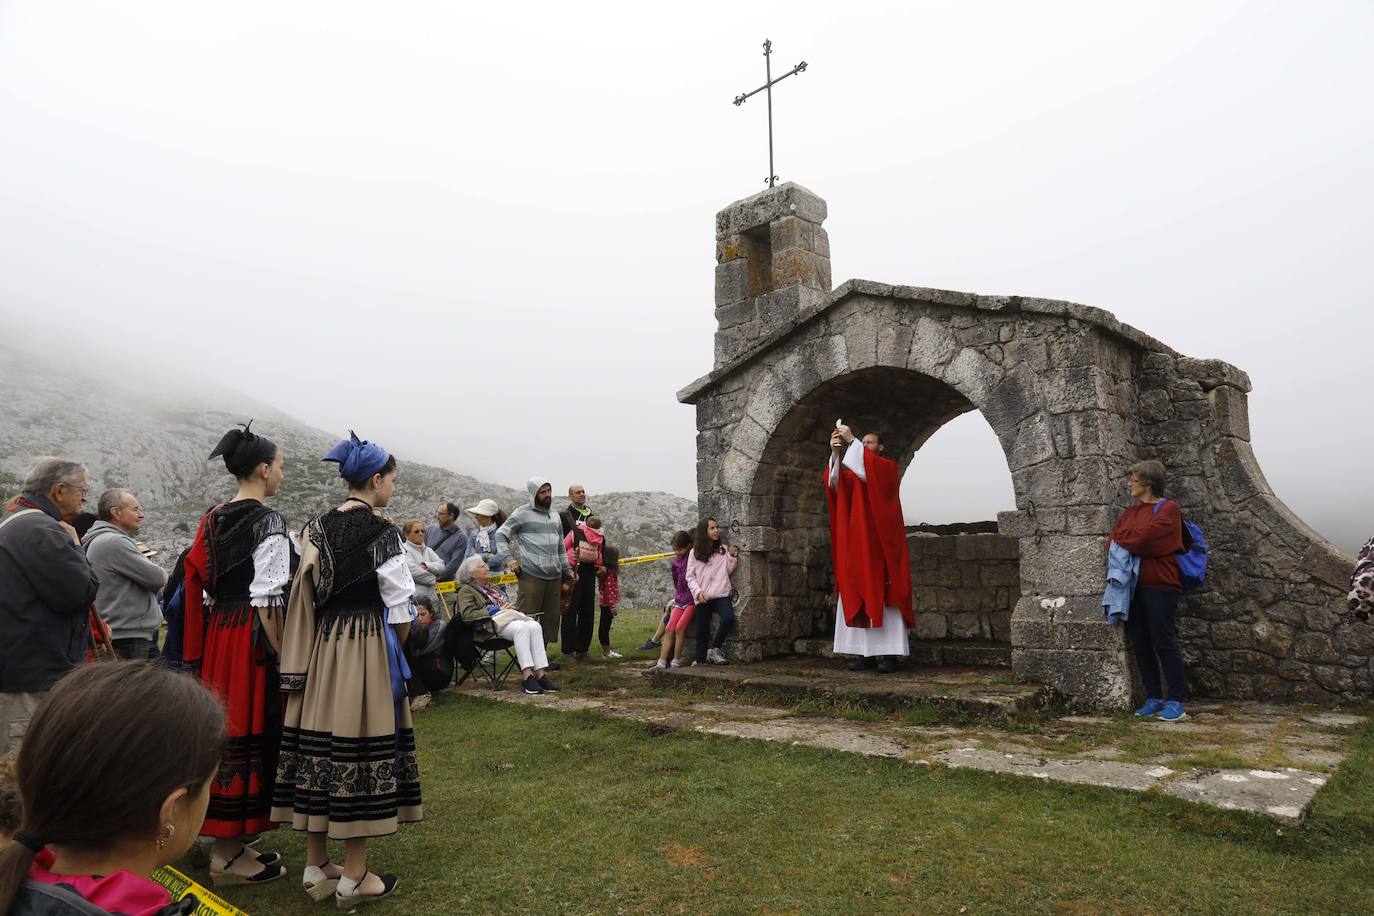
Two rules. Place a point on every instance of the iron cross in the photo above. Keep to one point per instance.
(768, 86)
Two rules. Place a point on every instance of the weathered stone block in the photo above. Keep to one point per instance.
(931, 625)
(1061, 565)
(1015, 524)
(972, 374)
(1031, 444)
(1077, 389)
(800, 268)
(964, 626)
(732, 282)
(782, 308)
(932, 347)
(1272, 637)
(784, 200)
(1213, 372)
(1101, 679)
(791, 232)
(1315, 647)
(894, 344)
(861, 340)
(1231, 635)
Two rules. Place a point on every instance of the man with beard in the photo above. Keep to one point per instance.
(536, 533)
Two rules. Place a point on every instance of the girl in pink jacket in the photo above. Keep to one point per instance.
(709, 566)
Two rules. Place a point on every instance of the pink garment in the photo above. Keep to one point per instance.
(711, 577)
(610, 589)
(120, 892)
(681, 618)
(591, 535)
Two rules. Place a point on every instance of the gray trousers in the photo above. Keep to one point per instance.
(540, 596)
(16, 709)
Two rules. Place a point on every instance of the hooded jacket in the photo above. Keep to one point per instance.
(537, 536)
(46, 589)
(129, 582)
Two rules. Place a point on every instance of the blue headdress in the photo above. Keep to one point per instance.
(357, 458)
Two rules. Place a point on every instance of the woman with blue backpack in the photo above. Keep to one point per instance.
(1152, 530)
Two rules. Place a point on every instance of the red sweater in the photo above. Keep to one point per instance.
(1154, 537)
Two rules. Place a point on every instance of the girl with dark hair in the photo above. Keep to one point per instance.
(241, 558)
(105, 806)
(348, 769)
(608, 584)
(709, 567)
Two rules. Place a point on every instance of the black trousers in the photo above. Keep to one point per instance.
(726, 609)
(603, 629)
(580, 621)
(1154, 638)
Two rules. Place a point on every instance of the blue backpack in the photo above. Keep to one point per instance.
(1192, 562)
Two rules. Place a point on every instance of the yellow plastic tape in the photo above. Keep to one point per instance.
(506, 578)
(179, 886)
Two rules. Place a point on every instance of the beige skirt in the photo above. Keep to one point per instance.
(347, 765)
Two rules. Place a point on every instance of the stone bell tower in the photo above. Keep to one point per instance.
(772, 266)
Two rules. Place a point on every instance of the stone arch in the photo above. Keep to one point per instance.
(1074, 397)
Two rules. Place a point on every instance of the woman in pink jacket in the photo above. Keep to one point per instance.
(709, 566)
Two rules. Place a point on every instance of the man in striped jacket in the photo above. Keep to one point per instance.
(535, 532)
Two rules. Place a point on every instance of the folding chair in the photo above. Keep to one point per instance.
(477, 649)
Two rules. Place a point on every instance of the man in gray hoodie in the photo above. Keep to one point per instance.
(536, 531)
(129, 581)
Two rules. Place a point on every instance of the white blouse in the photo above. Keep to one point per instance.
(271, 571)
(397, 587)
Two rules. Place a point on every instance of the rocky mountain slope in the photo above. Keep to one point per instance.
(154, 442)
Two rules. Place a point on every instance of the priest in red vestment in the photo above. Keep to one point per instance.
(869, 551)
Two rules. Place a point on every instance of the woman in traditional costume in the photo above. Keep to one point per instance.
(241, 559)
(348, 769)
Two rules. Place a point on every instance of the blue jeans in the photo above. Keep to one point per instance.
(1154, 638)
(726, 609)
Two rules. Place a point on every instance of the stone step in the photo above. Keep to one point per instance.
(931, 652)
(980, 692)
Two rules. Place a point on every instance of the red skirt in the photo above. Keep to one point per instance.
(238, 668)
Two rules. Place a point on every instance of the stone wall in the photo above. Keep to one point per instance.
(965, 585)
(1074, 396)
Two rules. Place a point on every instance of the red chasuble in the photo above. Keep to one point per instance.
(868, 542)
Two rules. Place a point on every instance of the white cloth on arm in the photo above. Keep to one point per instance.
(271, 571)
(891, 637)
(528, 637)
(397, 588)
(853, 459)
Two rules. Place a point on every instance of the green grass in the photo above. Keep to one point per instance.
(531, 810)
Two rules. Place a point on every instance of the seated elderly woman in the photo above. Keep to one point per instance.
(424, 563)
(478, 600)
(431, 667)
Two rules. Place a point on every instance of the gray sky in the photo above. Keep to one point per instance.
(483, 234)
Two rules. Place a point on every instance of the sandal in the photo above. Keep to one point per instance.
(354, 899)
(225, 878)
(317, 882)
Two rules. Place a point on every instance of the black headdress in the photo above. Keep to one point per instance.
(243, 450)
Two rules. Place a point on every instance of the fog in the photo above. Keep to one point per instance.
(483, 235)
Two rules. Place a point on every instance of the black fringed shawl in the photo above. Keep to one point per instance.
(352, 545)
(236, 530)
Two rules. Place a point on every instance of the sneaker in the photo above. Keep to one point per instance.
(675, 663)
(655, 668)
(650, 645)
(532, 685)
(1172, 711)
(611, 653)
(863, 664)
(716, 657)
(1151, 708)
(547, 684)
(420, 702)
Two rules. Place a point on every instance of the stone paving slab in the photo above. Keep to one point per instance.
(1283, 795)
(1134, 777)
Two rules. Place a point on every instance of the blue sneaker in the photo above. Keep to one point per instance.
(1172, 712)
(650, 645)
(1151, 708)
